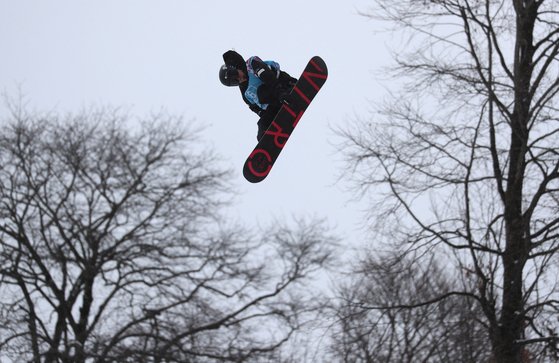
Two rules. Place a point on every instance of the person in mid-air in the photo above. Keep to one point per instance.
(264, 86)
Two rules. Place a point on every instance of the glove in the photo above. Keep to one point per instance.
(287, 79)
(233, 58)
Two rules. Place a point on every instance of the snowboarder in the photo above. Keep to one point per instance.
(264, 86)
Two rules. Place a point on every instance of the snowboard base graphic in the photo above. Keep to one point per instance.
(262, 158)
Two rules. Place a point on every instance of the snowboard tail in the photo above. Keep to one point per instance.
(260, 161)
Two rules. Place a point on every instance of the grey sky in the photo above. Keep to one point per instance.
(147, 55)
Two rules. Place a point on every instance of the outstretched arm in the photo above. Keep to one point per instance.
(234, 59)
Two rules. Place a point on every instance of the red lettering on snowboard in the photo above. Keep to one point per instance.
(278, 135)
(261, 160)
(296, 116)
(310, 75)
(316, 66)
(267, 161)
(302, 95)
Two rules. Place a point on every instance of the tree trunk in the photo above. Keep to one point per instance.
(506, 348)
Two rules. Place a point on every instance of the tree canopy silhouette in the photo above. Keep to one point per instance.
(113, 248)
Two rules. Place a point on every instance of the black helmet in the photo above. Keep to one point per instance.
(229, 75)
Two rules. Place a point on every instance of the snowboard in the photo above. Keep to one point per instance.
(262, 158)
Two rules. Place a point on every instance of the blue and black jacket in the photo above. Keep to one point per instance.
(265, 80)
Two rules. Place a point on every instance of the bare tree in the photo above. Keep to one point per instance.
(464, 162)
(392, 311)
(113, 248)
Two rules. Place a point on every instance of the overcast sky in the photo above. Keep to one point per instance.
(145, 55)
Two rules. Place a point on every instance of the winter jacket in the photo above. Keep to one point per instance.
(266, 82)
